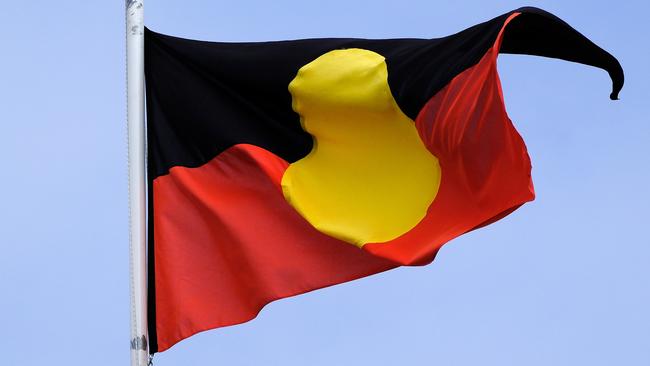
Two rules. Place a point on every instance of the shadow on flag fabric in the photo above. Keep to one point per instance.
(277, 168)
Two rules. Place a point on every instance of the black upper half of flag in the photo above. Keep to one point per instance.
(204, 97)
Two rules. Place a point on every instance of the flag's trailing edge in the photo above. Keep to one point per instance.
(277, 168)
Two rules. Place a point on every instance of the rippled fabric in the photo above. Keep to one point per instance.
(277, 168)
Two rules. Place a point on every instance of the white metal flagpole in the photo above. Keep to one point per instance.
(137, 184)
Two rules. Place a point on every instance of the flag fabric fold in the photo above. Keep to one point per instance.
(277, 168)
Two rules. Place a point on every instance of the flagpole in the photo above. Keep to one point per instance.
(137, 184)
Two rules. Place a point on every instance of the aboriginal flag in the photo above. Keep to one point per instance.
(277, 168)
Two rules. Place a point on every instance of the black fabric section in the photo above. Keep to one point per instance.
(204, 97)
(536, 32)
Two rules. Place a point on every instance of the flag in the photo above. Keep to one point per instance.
(277, 168)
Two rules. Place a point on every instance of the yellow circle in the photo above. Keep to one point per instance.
(369, 178)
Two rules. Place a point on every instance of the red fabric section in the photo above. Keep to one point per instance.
(484, 162)
(228, 243)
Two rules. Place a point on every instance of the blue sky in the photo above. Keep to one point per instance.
(565, 280)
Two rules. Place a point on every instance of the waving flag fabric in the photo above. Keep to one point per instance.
(277, 168)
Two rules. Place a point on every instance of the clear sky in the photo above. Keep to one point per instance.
(565, 280)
